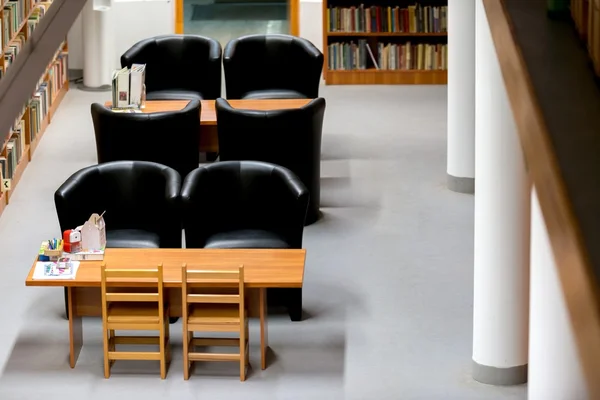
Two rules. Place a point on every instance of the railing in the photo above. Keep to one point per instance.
(556, 105)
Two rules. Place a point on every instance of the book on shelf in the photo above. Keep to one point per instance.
(46, 92)
(14, 149)
(16, 12)
(348, 56)
(13, 49)
(387, 19)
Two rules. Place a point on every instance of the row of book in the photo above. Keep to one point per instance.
(347, 56)
(46, 93)
(36, 15)
(413, 19)
(15, 42)
(14, 149)
(13, 16)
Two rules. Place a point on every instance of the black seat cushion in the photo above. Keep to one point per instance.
(132, 239)
(247, 239)
(175, 94)
(273, 94)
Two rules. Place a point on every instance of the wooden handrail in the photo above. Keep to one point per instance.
(560, 152)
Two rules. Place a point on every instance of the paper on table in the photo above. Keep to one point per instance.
(47, 270)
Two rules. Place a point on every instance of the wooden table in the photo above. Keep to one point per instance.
(208, 116)
(263, 268)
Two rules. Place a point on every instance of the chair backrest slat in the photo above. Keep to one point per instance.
(132, 297)
(125, 273)
(214, 298)
(207, 275)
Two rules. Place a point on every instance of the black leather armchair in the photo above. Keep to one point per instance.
(246, 204)
(272, 67)
(169, 138)
(290, 138)
(183, 67)
(140, 200)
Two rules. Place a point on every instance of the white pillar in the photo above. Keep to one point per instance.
(98, 45)
(461, 96)
(502, 217)
(554, 369)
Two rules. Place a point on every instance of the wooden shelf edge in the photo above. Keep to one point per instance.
(3, 202)
(18, 173)
(386, 77)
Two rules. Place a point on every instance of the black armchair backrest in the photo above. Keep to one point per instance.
(259, 62)
(169, 138)
(236, 195)
(290, 138)
(133, 195)
(185, 62)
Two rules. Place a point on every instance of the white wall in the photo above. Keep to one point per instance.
(75, 40)
(152, 20)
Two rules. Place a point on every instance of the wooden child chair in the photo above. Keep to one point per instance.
(214, 313)
(145, 311)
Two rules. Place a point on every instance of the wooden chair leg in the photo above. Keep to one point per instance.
(111, 345)
(106, 350)
(168, 342)
(248, 345)
(243, 356)
(163, 356)
(186, 352)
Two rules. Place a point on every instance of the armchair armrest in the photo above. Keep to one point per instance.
(294, 205)
(171, 227)
(74, 199)
(213, 70)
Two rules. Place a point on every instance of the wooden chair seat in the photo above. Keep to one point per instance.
(214, 314)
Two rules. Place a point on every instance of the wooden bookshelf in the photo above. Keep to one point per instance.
(46, 121)
(402, 26)
(38, 112)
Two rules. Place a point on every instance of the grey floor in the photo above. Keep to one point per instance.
(232, 21)
(388, 283)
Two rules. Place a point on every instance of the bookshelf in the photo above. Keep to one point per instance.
(19, 19)
(371, 42)
(586, 16)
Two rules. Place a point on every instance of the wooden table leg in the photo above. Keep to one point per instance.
(264, 334)
(75, 329)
